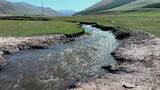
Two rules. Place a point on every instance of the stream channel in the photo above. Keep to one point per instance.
(61, 66)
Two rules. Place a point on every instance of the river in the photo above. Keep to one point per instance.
(61, 66)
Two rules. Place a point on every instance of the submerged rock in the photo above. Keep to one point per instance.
(3, 62)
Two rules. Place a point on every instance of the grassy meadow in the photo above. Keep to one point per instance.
(18, 28)
(127, 15)
(148, 21)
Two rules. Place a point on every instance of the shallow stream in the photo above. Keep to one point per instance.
(61, 66)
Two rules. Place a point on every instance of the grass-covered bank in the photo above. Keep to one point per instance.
(18, 28)
(131, 21)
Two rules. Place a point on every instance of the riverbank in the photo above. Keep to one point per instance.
(9, 45)
(137, 68)
(23, 34)
(118, 34)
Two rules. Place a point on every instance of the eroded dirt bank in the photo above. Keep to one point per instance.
(137, 68)
(9, 45)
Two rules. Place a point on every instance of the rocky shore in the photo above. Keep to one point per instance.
(137, 68)
(9, 45)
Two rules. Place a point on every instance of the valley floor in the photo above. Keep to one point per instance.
(148, 21)
(138, 57)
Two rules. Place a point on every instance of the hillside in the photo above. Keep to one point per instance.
(121, 5)
(67, 12)
(105, 5)
(138, 4)
(21, 8)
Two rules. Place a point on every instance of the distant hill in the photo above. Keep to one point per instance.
(67, 12)
(21, 8)
(121, 5)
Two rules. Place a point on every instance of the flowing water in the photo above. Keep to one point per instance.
(63, 65)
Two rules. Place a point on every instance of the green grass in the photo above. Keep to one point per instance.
(131, 21)
(146, 20)
(31, 28)
(145, 12)
(152, 12)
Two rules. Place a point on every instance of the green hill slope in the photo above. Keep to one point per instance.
(138, 4)
(9, 8)
(104, 5)
(122, 5)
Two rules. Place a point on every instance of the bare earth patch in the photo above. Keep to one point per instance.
(138, 66)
